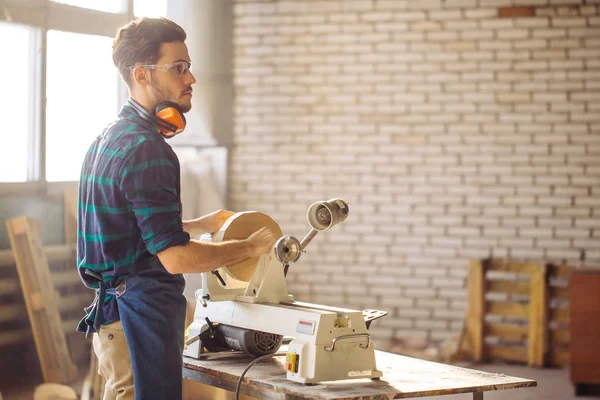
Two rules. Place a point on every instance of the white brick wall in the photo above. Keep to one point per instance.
(452, 132)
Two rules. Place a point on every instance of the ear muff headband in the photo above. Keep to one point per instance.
(168, 117)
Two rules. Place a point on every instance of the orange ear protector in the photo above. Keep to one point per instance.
(168, 117)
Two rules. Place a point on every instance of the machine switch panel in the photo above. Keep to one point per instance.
(291, 362)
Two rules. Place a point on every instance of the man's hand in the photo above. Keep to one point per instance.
(262, 241)
(215, 220)
(209, 223)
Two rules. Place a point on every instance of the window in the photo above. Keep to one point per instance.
(59, 88)
(18, 85)
(82, 90)
(153, 9)
(111, 6)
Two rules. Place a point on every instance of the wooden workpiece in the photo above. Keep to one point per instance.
(240, 226)
(403, 377)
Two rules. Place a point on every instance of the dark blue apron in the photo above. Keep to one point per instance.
(152, 309)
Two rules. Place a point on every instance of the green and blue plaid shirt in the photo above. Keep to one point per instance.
(129, 209)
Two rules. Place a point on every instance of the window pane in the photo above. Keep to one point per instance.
(111, 6)
(16, 102)
(82, 99)
(150, 8)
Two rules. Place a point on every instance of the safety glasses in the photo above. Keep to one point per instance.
(179, 68)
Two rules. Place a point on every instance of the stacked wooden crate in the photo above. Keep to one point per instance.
(518, 311)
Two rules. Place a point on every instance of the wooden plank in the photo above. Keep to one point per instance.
(507, 353)
(476, 309)
(53, 253)
(22, 335)
(73, 302)
(498, 264)
(507, 332)
(508, 309)
(12, 313)
(10, 286)
(37, 302)
(34, 275)
(61, 279)
(66, 278)
(61, 253)
(505, 286)
(69, 326)
(538, 317)
(10, 337)
(13, 337)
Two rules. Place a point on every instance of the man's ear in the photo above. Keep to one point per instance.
(140, 75)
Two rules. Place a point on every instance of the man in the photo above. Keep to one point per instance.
(132, 244)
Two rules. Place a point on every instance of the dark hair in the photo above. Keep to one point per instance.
(139, 42)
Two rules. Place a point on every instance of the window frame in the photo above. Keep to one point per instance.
(45, 15)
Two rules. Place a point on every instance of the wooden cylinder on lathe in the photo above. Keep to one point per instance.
(239, 227)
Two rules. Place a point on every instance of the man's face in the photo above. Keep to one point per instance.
(168, 83)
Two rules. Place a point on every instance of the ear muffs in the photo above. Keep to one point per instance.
(168, 117)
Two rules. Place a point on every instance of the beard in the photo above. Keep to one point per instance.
(185, 107)
(159, 93)
(162, 94)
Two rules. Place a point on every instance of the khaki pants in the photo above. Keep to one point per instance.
(114, 363)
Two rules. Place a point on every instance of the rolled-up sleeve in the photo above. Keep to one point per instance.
(149, 179)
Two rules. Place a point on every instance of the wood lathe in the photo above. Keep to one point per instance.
(247, 307)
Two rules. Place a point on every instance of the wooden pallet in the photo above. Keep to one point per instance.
(41, 300)
(513, 307)
(14, 323)
(559, 277)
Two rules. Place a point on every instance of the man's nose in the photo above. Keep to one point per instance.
(190, 79)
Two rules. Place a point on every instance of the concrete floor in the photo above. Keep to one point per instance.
(553, 384)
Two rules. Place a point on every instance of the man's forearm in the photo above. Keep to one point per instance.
(207, 223)
(198, 256)
(196, 226)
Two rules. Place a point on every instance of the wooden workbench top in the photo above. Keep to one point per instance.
(403, 377)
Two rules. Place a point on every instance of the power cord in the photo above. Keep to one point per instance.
(255, 361)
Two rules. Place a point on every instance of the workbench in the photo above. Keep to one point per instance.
(403, 377)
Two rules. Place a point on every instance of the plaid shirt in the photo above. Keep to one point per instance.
(129, 209)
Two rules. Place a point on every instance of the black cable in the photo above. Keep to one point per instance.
(239, 382)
